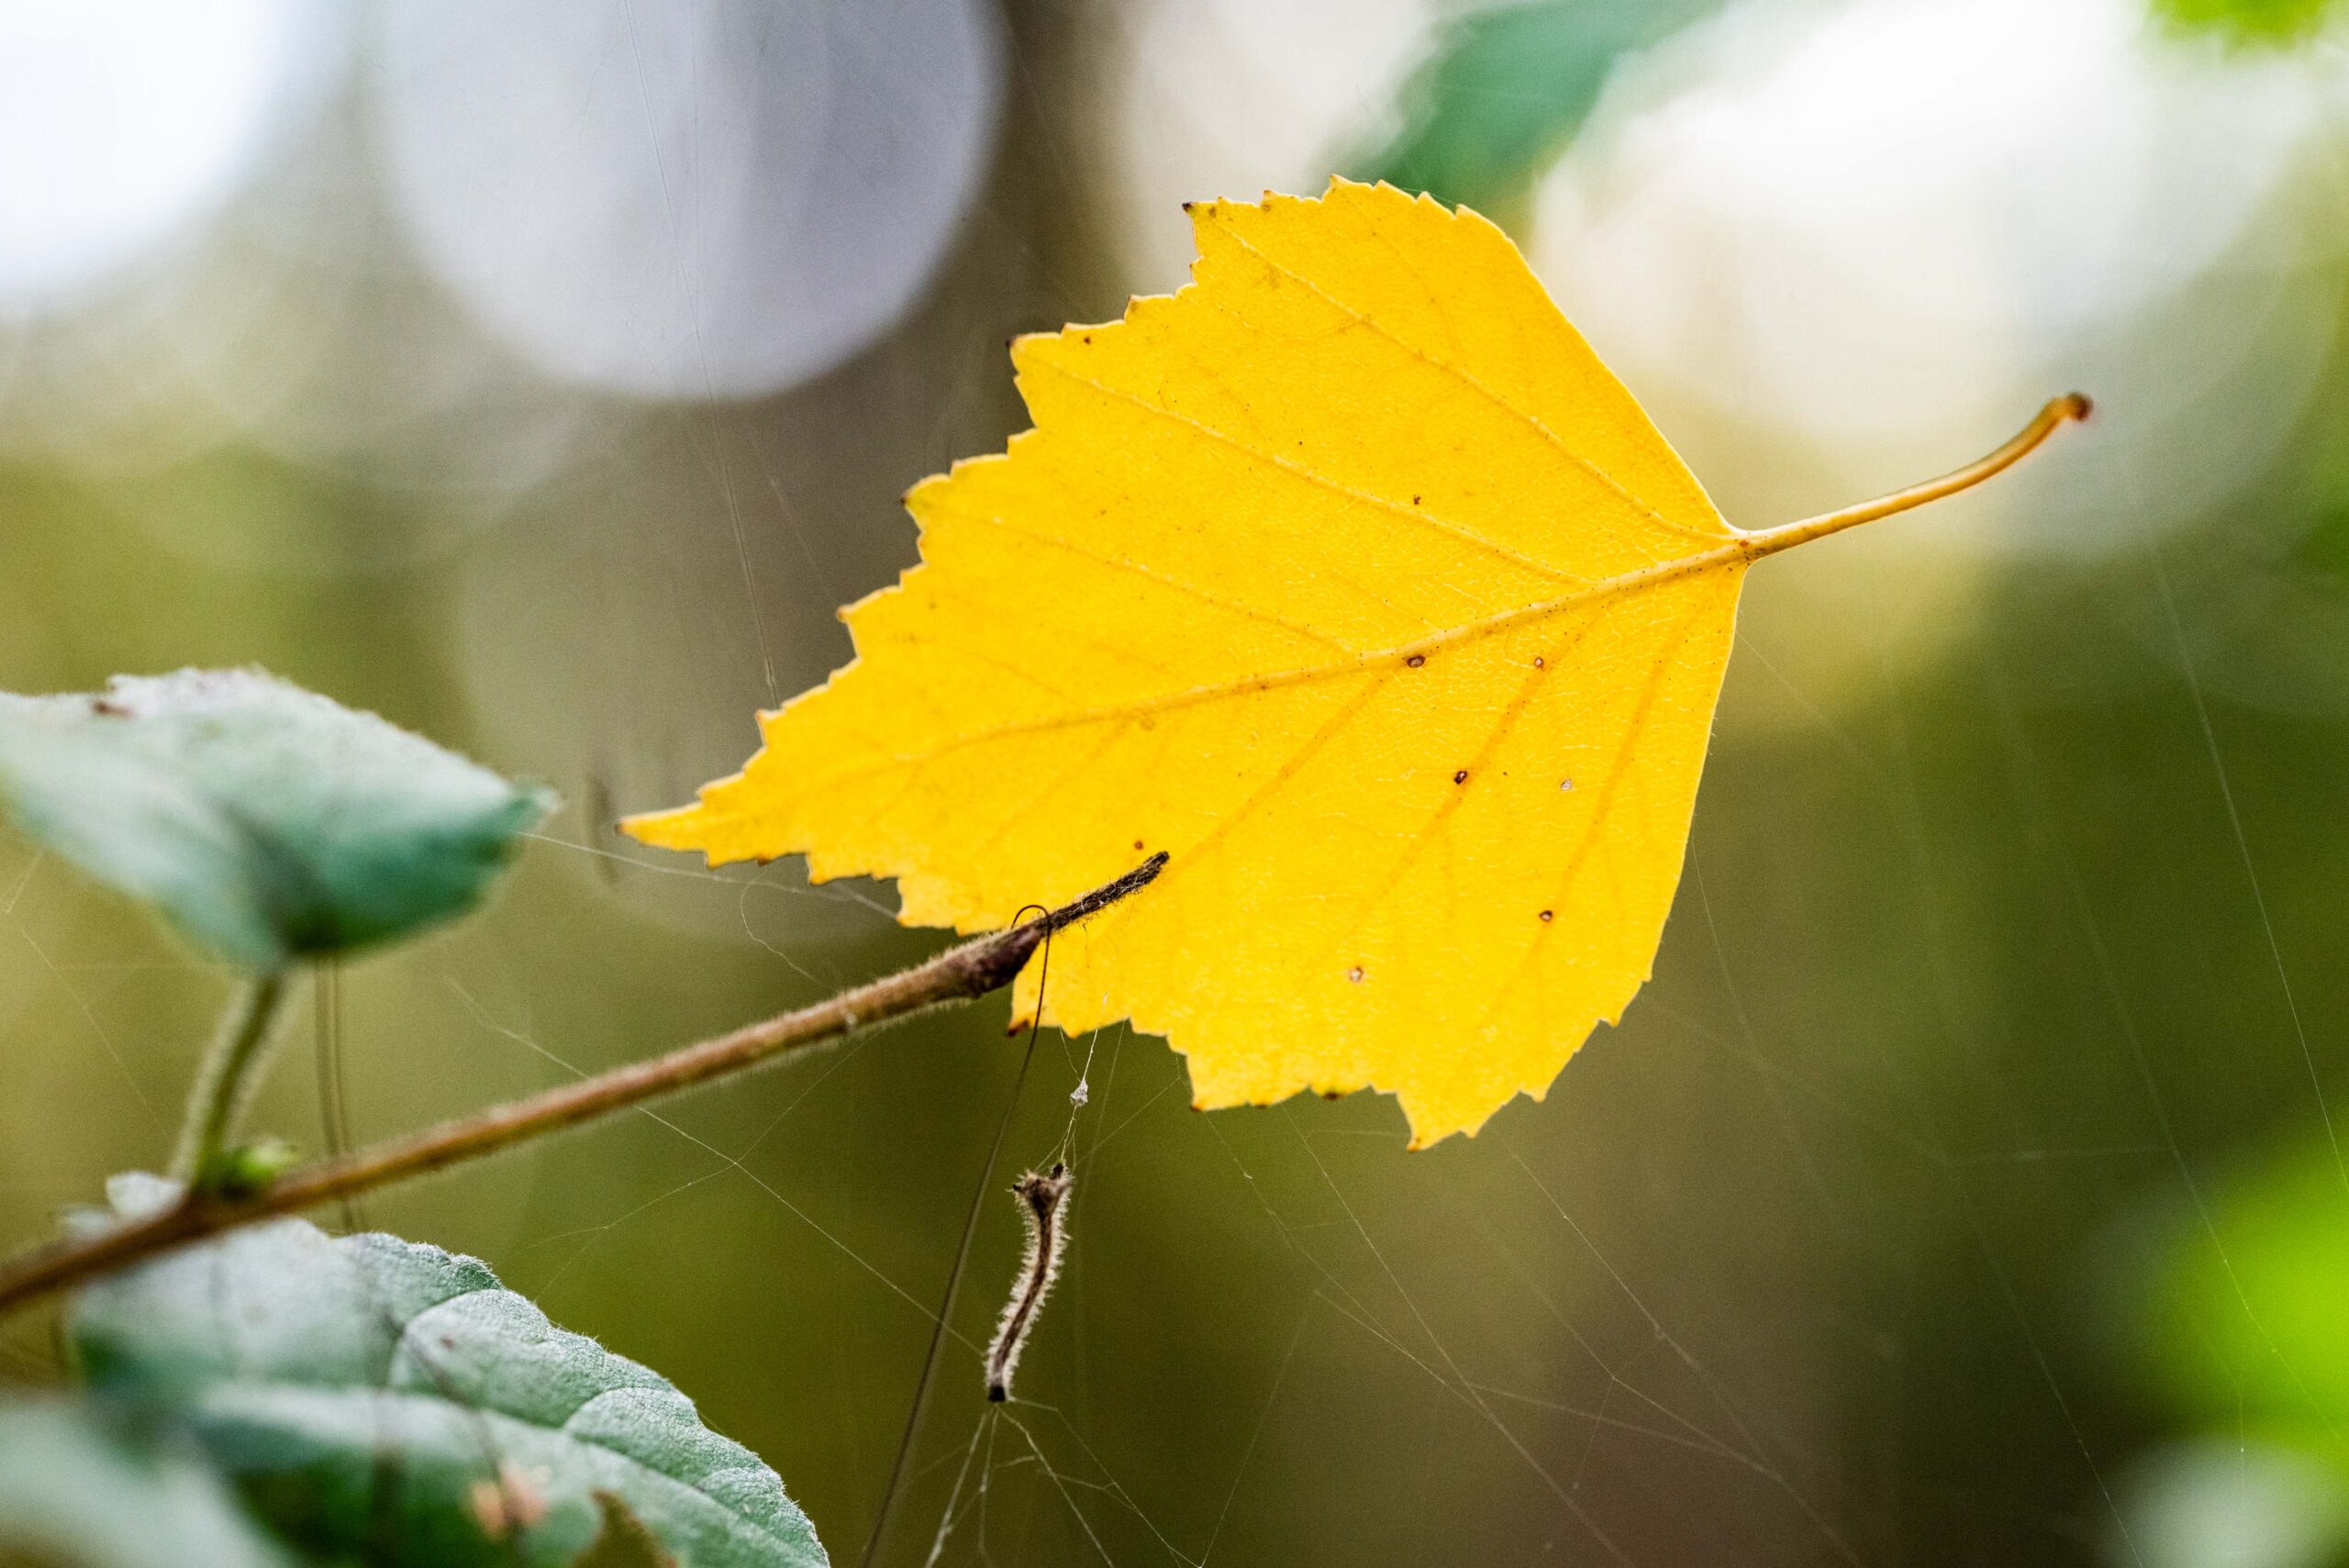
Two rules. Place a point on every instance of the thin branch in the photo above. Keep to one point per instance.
(958, 974)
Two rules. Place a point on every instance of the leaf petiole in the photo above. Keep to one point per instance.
(2071, 407)
(225, 1084)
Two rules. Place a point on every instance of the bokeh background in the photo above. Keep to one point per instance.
(1971, 1186)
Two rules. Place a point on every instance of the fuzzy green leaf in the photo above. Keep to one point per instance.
(267, 822)
(366, 1392)
(75, 1494)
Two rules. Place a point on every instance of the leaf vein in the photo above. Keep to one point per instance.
(1316, 477)
(1470, 380)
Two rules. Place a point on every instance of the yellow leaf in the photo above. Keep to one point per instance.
(1350, 577)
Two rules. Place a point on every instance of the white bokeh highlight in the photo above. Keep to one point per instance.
(122, 122)
(1202, 99)
(696, 199)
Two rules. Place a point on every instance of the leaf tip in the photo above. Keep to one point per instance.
(532, 805)
(675, 828)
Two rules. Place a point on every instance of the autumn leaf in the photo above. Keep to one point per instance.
(1351, 579)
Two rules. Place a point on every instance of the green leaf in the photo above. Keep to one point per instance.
(1501, 91)
(368, 1393)
(267, 822)
(78, 1494)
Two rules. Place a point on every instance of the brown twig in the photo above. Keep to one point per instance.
(958, 974)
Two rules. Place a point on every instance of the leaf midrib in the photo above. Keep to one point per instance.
(1312, 475)
(1734, 554)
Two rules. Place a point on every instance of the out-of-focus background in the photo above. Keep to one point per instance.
(1971, 1186)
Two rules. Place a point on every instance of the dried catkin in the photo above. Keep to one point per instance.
(1043, 1204)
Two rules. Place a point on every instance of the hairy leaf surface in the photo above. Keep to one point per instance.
(267, 822)
(370, 1394)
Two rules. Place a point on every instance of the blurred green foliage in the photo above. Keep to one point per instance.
(1501, 91)
(2250, 1313)
(78, 1491)
(2249, 21)
(2233, 1298)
